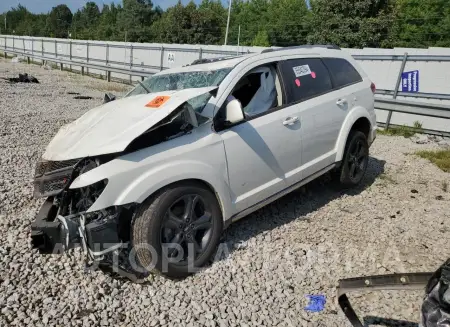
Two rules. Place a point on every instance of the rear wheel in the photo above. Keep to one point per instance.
(355, 160)
(177, 231)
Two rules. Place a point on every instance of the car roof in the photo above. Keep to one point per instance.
(208, 64)
(211, 64)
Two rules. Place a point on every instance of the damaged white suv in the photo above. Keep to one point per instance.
(151, 180)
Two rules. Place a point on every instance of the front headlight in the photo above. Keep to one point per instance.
(83, 198)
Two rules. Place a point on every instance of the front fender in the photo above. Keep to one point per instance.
(352, 117)
(134, 177)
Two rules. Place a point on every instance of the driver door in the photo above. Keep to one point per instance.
(264, 151)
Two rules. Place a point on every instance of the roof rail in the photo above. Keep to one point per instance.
(210, 60)
(306, 46)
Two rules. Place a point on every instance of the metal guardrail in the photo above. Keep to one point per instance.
(420, 95)
(413, 108)
(390, 105)
(83, 64)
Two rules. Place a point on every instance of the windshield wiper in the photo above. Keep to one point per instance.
(144, 87)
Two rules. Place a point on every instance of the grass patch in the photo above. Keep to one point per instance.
(439, 158)
(405, 131)
(111, 87)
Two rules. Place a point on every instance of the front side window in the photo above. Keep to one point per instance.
(257, 91)
(342, 71)
(305, 78)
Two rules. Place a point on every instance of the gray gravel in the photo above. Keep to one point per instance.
(302, 244)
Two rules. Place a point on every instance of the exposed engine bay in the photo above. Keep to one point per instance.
(64, 222)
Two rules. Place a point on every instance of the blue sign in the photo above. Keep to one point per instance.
(410, 81)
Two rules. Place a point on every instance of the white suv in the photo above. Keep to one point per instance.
(155, 177)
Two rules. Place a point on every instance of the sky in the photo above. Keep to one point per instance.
(44, 6)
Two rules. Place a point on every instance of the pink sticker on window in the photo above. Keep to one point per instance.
(313, 74)
(297, 81)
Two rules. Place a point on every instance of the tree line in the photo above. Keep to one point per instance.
(350, 23)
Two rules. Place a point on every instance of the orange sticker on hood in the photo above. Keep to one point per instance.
(158, 101)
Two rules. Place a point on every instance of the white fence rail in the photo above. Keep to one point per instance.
(132, 61)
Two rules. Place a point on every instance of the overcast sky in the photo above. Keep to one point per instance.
(39, 6)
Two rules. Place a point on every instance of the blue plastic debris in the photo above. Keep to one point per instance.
(316, 303)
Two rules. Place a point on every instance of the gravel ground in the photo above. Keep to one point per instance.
(397, 221)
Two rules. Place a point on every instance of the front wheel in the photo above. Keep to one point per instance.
(177, 230)
(355, 160)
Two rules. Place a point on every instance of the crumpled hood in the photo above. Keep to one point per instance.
(111, 127)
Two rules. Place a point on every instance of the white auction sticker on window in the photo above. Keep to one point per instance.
(302, 70)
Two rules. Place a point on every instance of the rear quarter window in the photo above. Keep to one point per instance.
(305, 78)
(342, 72)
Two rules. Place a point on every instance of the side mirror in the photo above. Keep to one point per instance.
(234, 113)
(109, 97)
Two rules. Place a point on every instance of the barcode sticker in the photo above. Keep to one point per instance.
(302, 70)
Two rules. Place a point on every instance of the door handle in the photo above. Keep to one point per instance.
(290, 121)
(341, 102)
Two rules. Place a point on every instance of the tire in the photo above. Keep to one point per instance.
(155, 224)
(354, 163)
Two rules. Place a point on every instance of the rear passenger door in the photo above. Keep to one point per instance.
(309, 88)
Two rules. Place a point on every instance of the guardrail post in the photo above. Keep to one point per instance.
(13, 44)
(82, 70)
(56, 49)
(131, 61)
(200, 54)
(161, 65)
(87, 57)
(28, 60)
(42, 50)
(108, 74)
(32, 47)
(397, 85)
(70, 53)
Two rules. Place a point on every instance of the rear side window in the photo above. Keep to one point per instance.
(305, 78)
(342, 71)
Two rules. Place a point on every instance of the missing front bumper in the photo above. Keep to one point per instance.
(52, 234)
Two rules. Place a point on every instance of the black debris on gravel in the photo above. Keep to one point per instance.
(82, 97)
(23, 78)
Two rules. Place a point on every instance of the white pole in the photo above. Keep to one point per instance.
(228, 22)
(239, 37)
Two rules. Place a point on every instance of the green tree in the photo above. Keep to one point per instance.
(59, 21)
(422, 23)
(287, 22)
(135, 20)
(261, 39)
(359, 23)
(85, 21)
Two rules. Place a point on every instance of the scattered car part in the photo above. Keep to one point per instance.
(23, 78)
(82, 97)
(109, 97)
(375, 283)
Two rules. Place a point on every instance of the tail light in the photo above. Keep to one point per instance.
(373, 88)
